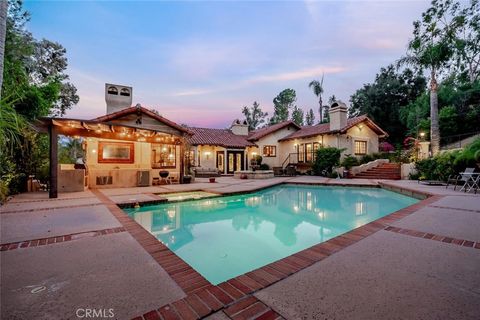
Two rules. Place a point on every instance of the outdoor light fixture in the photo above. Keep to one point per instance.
(94, 151)
(422, 134)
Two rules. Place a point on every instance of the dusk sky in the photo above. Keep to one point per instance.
(199, 62)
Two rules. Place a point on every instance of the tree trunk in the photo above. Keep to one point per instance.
(320, 108)
(3, 30)
(434, 126)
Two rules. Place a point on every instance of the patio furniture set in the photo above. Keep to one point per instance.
(468, 180)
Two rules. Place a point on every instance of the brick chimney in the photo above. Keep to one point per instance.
(338, 115)
(239, 128)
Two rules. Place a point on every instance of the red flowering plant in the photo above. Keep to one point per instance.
(386, 147)
(411, 148)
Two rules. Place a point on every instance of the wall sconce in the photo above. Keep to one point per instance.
(94, 151)
(422, 135)
(360, 127)
(207, 155)
(254, 154)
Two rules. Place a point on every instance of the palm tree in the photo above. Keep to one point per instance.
(317, 87)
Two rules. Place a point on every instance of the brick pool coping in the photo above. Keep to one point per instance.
(58, 239)
(234, 296)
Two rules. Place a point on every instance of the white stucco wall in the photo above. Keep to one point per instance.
(272, 140)
(124, 174)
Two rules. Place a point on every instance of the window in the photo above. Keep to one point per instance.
(308, 152)
(301, 152)
(125, 92)
(269, 151)
(163, 156)
(115, 152)
(112, 90)
(360, 147)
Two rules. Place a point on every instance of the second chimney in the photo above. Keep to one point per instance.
(338, 116)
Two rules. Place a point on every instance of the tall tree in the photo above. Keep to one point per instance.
(317, 87)
(467, 42)
(3, 30)
(383, 99)
(254, 116)
(297, 116)
(432, 48)
(282, 104)
(310, 118)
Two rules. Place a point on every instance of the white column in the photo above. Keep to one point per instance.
(225, 160)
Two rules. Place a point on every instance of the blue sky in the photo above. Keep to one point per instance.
(199, 62)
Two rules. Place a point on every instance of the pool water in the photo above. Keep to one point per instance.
(225, 237)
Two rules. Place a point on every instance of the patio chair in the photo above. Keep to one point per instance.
(291, 171)
(277, 171)
(452, 180)
(465, 177)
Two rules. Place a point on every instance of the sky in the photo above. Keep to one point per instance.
(200, 62)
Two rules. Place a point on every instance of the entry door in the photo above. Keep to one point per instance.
(235, 161)
(221, 161)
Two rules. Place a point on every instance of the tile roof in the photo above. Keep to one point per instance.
(135, 109)
(324, 128)
(219, 137)
(260, 133)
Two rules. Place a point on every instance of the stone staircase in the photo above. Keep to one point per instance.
(389, 171)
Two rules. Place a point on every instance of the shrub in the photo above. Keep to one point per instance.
(326, 159)
(264, 166)
(366, 159)
(448, 163)
(256, 160)
(386, 147)
(349, 162)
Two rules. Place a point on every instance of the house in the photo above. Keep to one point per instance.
(284, 143)
(130, 146)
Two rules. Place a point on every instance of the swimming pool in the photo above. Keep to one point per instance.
(225, 237)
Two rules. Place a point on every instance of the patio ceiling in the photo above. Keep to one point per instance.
(105, 130)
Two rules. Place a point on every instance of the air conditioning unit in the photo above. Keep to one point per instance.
(143, 178)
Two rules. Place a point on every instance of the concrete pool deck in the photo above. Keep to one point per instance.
(394, 272)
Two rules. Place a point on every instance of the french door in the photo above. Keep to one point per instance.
(235, 161)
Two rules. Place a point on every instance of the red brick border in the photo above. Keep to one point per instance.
(58, 239)
(435, 237)
(44, 209)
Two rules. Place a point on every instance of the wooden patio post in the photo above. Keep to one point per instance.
(182, 161)
(52, 132)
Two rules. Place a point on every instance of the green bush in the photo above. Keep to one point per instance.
(256, 160)
(326, 159)
(349, 162)
(264, 166)
(366, 159)
(447, 163)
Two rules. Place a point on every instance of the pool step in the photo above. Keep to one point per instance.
(388, 171)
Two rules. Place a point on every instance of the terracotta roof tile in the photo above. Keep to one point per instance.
(324, 128)
(260, 133)
(127, 111)
(219, 137)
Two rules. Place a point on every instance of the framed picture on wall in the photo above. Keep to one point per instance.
(116, 152)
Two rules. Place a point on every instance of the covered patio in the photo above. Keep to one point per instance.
(128, 148)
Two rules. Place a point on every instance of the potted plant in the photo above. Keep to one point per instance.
(187, 179)
(211, 179)
(243, 176)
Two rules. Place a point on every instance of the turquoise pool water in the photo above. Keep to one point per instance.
(225, 237)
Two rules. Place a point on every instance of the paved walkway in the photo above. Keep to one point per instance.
(73, 252)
